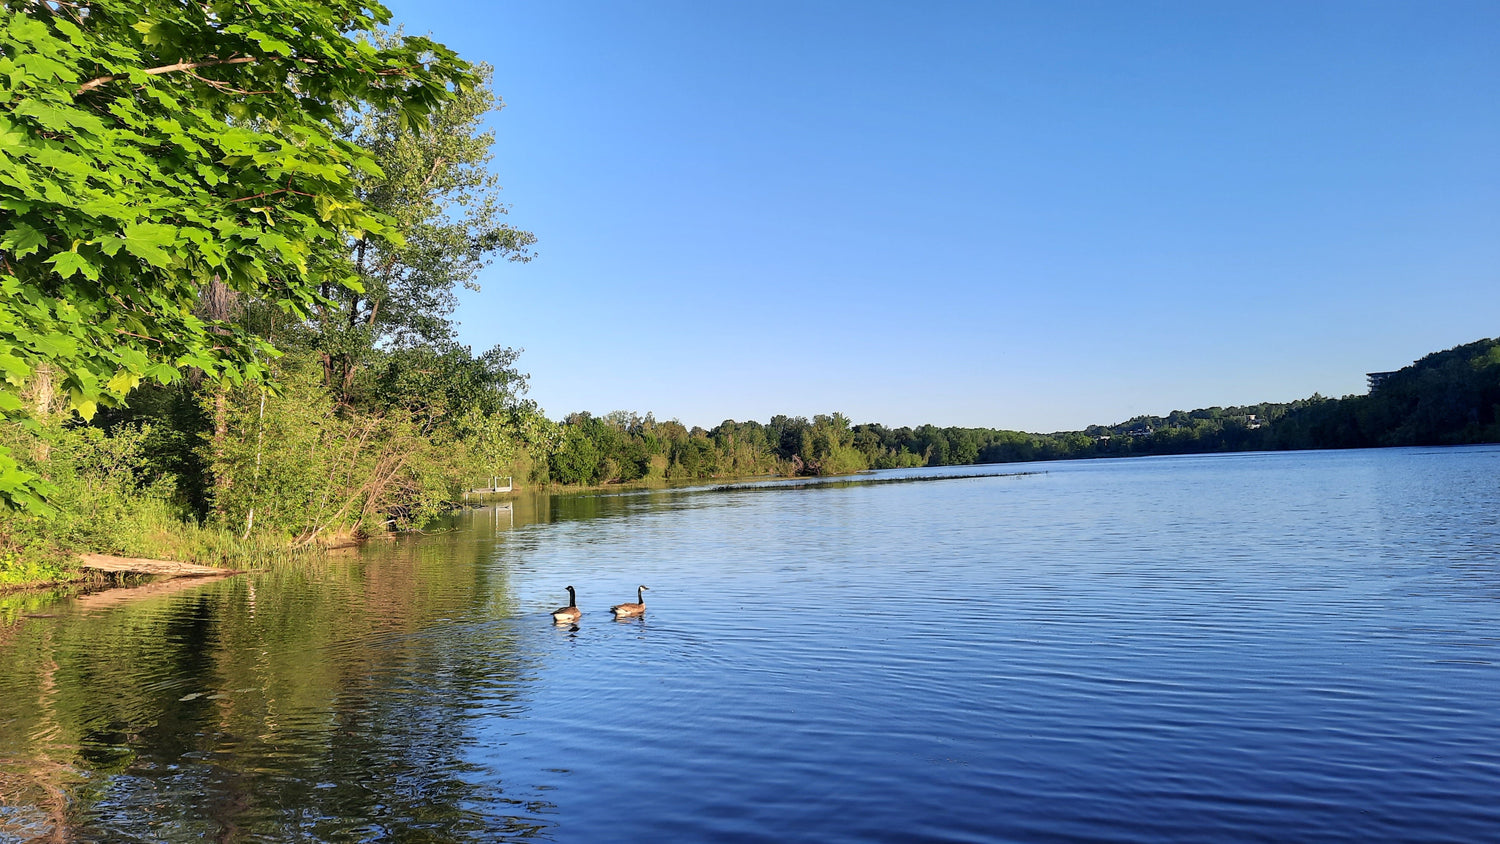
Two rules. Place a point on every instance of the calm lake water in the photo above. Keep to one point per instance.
(1261, 647)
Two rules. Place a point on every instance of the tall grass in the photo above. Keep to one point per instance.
(108, 500)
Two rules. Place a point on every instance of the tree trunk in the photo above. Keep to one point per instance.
(222, 479)
(45, 403)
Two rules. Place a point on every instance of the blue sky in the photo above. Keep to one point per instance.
(1035, 216)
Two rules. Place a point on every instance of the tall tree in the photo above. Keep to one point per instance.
(147, 146)
(436, 186)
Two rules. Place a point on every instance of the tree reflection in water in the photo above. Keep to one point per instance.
(330, 701)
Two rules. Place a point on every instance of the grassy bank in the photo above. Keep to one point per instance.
(107, 496)
(34, 559)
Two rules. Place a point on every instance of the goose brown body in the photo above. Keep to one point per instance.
(571, 612)
(637, 608)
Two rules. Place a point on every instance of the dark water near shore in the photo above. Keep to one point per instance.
(1260, 647)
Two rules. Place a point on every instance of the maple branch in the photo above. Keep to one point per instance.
(166, 68)
(272, 193)
(225, 86)
(133, 334)
(173, 68)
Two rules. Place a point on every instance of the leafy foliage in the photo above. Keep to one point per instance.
(111, 494)
(199, 190)
(623, 447)
(148, 146)
(293, 465)
(435, 185)
(1446, 398)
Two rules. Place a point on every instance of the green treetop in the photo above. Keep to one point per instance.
(435, 185)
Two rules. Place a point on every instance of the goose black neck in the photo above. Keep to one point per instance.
(572, 598)
(640, 597)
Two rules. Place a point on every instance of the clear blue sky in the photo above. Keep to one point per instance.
(1019, 215)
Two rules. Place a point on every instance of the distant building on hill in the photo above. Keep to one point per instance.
(1377, 378)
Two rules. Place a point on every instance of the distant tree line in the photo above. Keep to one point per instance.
(623, 446)
(1446, 398)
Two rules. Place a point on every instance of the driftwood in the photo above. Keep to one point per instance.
(140, 565)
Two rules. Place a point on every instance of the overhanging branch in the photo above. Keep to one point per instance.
(166, 68)
(180, 66)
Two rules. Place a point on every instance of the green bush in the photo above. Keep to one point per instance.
(109, 498)
(298, 466)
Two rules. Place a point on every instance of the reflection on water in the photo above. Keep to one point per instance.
(1245, 647)
(268, 707)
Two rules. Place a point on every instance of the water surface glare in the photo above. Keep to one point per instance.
(1261, 647)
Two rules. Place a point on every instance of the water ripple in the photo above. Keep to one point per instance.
(1235, 648)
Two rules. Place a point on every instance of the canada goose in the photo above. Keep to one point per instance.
(571, 612)
(637, 608)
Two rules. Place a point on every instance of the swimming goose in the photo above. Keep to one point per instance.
(637, 608)
(571, 612)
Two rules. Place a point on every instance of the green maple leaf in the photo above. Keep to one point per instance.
(146, 241)
(23, 240)
(68, 263)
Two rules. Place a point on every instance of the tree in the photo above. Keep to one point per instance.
(435, 185)
(150, 146)
(442, 383)
(786, 434)
(576, 458)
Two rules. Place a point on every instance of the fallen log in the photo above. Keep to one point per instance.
(141, 565)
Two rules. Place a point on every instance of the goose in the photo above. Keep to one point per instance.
(571, 612)
(637, 608)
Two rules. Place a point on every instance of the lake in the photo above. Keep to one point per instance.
(1252, 647)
